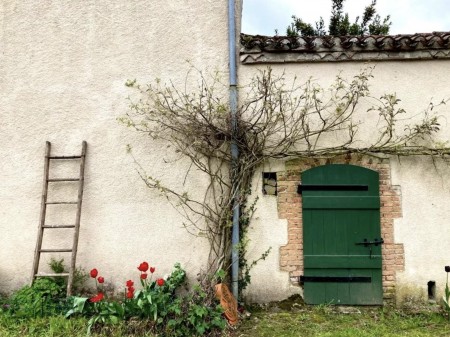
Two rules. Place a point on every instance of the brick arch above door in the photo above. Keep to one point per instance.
(290, 208)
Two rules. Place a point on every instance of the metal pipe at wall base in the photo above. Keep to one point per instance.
(234, 147)
(236, 199)
(235, 252)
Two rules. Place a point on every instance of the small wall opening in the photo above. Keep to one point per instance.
(270, 183)
(431, 290)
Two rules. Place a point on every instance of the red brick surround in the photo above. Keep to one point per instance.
(290, 208)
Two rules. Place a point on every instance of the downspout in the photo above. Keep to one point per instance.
(234, 147)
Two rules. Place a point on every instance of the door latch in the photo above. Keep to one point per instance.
(370, 244)
(367, 243)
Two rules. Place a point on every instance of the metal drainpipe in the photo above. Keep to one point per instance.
(234, 147)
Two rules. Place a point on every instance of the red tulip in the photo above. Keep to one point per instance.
(131, 289)
(96, 298)
(94, 273)
(143, 267)
(100, 279)
(160, 282)
(130, 283)
(129, 294)
(143, 276)
(152, 269)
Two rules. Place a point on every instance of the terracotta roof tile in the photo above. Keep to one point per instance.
(275, 49)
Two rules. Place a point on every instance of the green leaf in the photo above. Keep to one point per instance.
(446, 304)
(80, 302)
(114, 319)
(200, 328)
(220, 274)
(91, 322)
(69, 313)
(199, 311)
(219, 322)
(155, 314)
(78, 306)
(119, 309)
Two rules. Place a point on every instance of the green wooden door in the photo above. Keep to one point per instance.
(341, 231)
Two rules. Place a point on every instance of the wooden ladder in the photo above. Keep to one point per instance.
(76, 226)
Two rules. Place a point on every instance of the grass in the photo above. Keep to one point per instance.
(58, 326)
(299, 320)
(323, 321)
(54, 326)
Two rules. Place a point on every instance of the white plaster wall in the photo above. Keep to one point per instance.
(267, 231)
(63, 65)
(424, 228)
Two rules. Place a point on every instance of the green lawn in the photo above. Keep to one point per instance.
(325, 321)
(58, 326)
(304, 321)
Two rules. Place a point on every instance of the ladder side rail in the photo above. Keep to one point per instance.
(77, 220)
(42, 212)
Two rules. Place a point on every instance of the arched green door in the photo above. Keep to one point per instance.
(341, 235)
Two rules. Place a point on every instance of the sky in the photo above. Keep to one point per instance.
(407, 16)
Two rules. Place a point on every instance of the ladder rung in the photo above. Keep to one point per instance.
(58, 226)
(58, 250)
(63, 179)
(52, 275)
(61, 203)
(64, 157)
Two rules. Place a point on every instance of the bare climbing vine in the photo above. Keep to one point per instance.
(277, 119)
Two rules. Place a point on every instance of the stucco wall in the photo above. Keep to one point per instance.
(63, 65)
(424, 226)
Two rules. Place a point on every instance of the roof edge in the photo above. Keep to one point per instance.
(282, 49)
